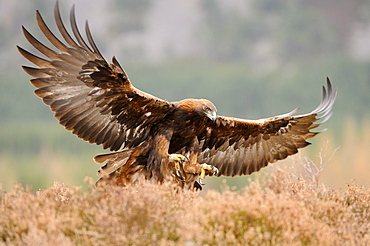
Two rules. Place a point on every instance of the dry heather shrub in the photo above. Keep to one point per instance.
(287, 212)
(282, 211)
(61, 215)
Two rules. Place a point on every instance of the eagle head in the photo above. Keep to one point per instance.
(208, 109)
(202, 107)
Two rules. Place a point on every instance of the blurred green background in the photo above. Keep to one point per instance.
(253, 59)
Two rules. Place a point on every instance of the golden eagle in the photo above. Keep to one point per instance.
(180, 141)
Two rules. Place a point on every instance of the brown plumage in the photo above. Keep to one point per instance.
(155, 139)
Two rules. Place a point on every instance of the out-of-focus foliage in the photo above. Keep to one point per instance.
(131, 15)
(293, 31)
(282, 211)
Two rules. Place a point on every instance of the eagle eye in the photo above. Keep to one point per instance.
(206, 108)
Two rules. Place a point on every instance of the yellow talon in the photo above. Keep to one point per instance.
(177, 158)
(211, 170)
(177, 168)
(202, 173)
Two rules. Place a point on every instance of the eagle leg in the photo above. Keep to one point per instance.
(200, 169)
(177, 160)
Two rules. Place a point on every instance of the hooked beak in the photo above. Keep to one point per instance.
(211, 115)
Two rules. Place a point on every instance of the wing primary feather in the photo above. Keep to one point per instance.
(91, 40)
(323, 102)
(294, 111)
(49, 35)
(61, 27)
(38, 45)
(38, 61)
(328, 84)
(328, 99)
(329, 96)
(75, 30)
(40, 73)
(327, 109)
(64, 66)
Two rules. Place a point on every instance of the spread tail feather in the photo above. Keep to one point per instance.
(114, 162)
(121, 167)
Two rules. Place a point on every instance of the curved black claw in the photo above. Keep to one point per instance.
(197, 186)
(212, 172)
(209, 170)
(178, 174)
(177, 160)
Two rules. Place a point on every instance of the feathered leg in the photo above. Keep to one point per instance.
(192, 168)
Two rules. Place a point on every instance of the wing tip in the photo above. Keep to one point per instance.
(323, 110)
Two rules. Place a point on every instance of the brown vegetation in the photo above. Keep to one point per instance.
(283, 211)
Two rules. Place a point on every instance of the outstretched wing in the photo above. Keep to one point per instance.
(237, 146)
(93, 99)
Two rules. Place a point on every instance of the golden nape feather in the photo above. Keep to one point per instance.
(180, 142)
